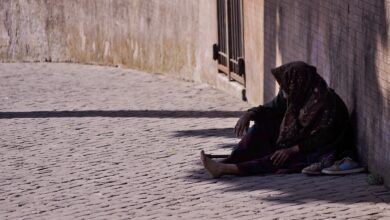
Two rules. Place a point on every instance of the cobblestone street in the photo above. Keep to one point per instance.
(93, 142)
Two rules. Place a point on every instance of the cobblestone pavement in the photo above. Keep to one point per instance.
(91, 142)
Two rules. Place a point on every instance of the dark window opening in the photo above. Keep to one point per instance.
(229, 52)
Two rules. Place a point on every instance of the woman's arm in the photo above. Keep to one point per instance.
(242, 124)
(280, 156)
(277, 104)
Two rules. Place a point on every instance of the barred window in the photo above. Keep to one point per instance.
(229, 51)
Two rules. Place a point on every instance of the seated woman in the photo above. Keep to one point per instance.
(305, 125)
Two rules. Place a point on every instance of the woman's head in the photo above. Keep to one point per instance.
(287, 73)
(310, 106)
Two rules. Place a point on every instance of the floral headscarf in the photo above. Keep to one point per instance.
(310, 104)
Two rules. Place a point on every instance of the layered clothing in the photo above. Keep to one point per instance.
(312, 116)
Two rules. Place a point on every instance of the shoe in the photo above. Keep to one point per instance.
(313, 169)
(344, 166)
(316, 168)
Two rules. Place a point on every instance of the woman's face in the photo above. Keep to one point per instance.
(285, 95)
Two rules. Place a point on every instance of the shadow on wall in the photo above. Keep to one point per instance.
(270, 40)
(342, 39)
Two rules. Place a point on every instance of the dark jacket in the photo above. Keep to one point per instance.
(335, 138)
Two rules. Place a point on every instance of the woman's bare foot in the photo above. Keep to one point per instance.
(214, 168)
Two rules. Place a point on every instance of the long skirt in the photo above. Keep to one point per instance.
(253, 153)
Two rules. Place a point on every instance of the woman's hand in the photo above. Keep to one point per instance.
(280, 156)
(243, 124)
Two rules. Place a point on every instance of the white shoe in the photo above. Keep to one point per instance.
(343, 166)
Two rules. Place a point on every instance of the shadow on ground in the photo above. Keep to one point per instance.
(122, 113)
(298, 188)
(206, 133)
(211, 132)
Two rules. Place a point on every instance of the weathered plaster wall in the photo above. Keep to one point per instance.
(348, 41)
(254, 55)
(162, 36)
(206, 67)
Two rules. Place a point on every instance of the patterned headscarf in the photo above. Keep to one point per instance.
(310, 104)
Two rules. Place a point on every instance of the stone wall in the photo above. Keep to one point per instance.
(155, 35)
(254, 53)
(348, 41)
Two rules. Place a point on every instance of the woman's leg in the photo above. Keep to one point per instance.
(217, 169)
(260, 139)
(246, 148)
(263, 165)
(257, 143)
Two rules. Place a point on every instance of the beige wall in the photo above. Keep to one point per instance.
(206, 67)
(164, 36)
(348, 41)
(254, 55)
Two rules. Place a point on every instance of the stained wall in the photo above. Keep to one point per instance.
(169, 36)
(348, 42)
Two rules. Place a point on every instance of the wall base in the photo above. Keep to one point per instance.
(231, 87)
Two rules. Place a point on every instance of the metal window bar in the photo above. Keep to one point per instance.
(230, 39)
